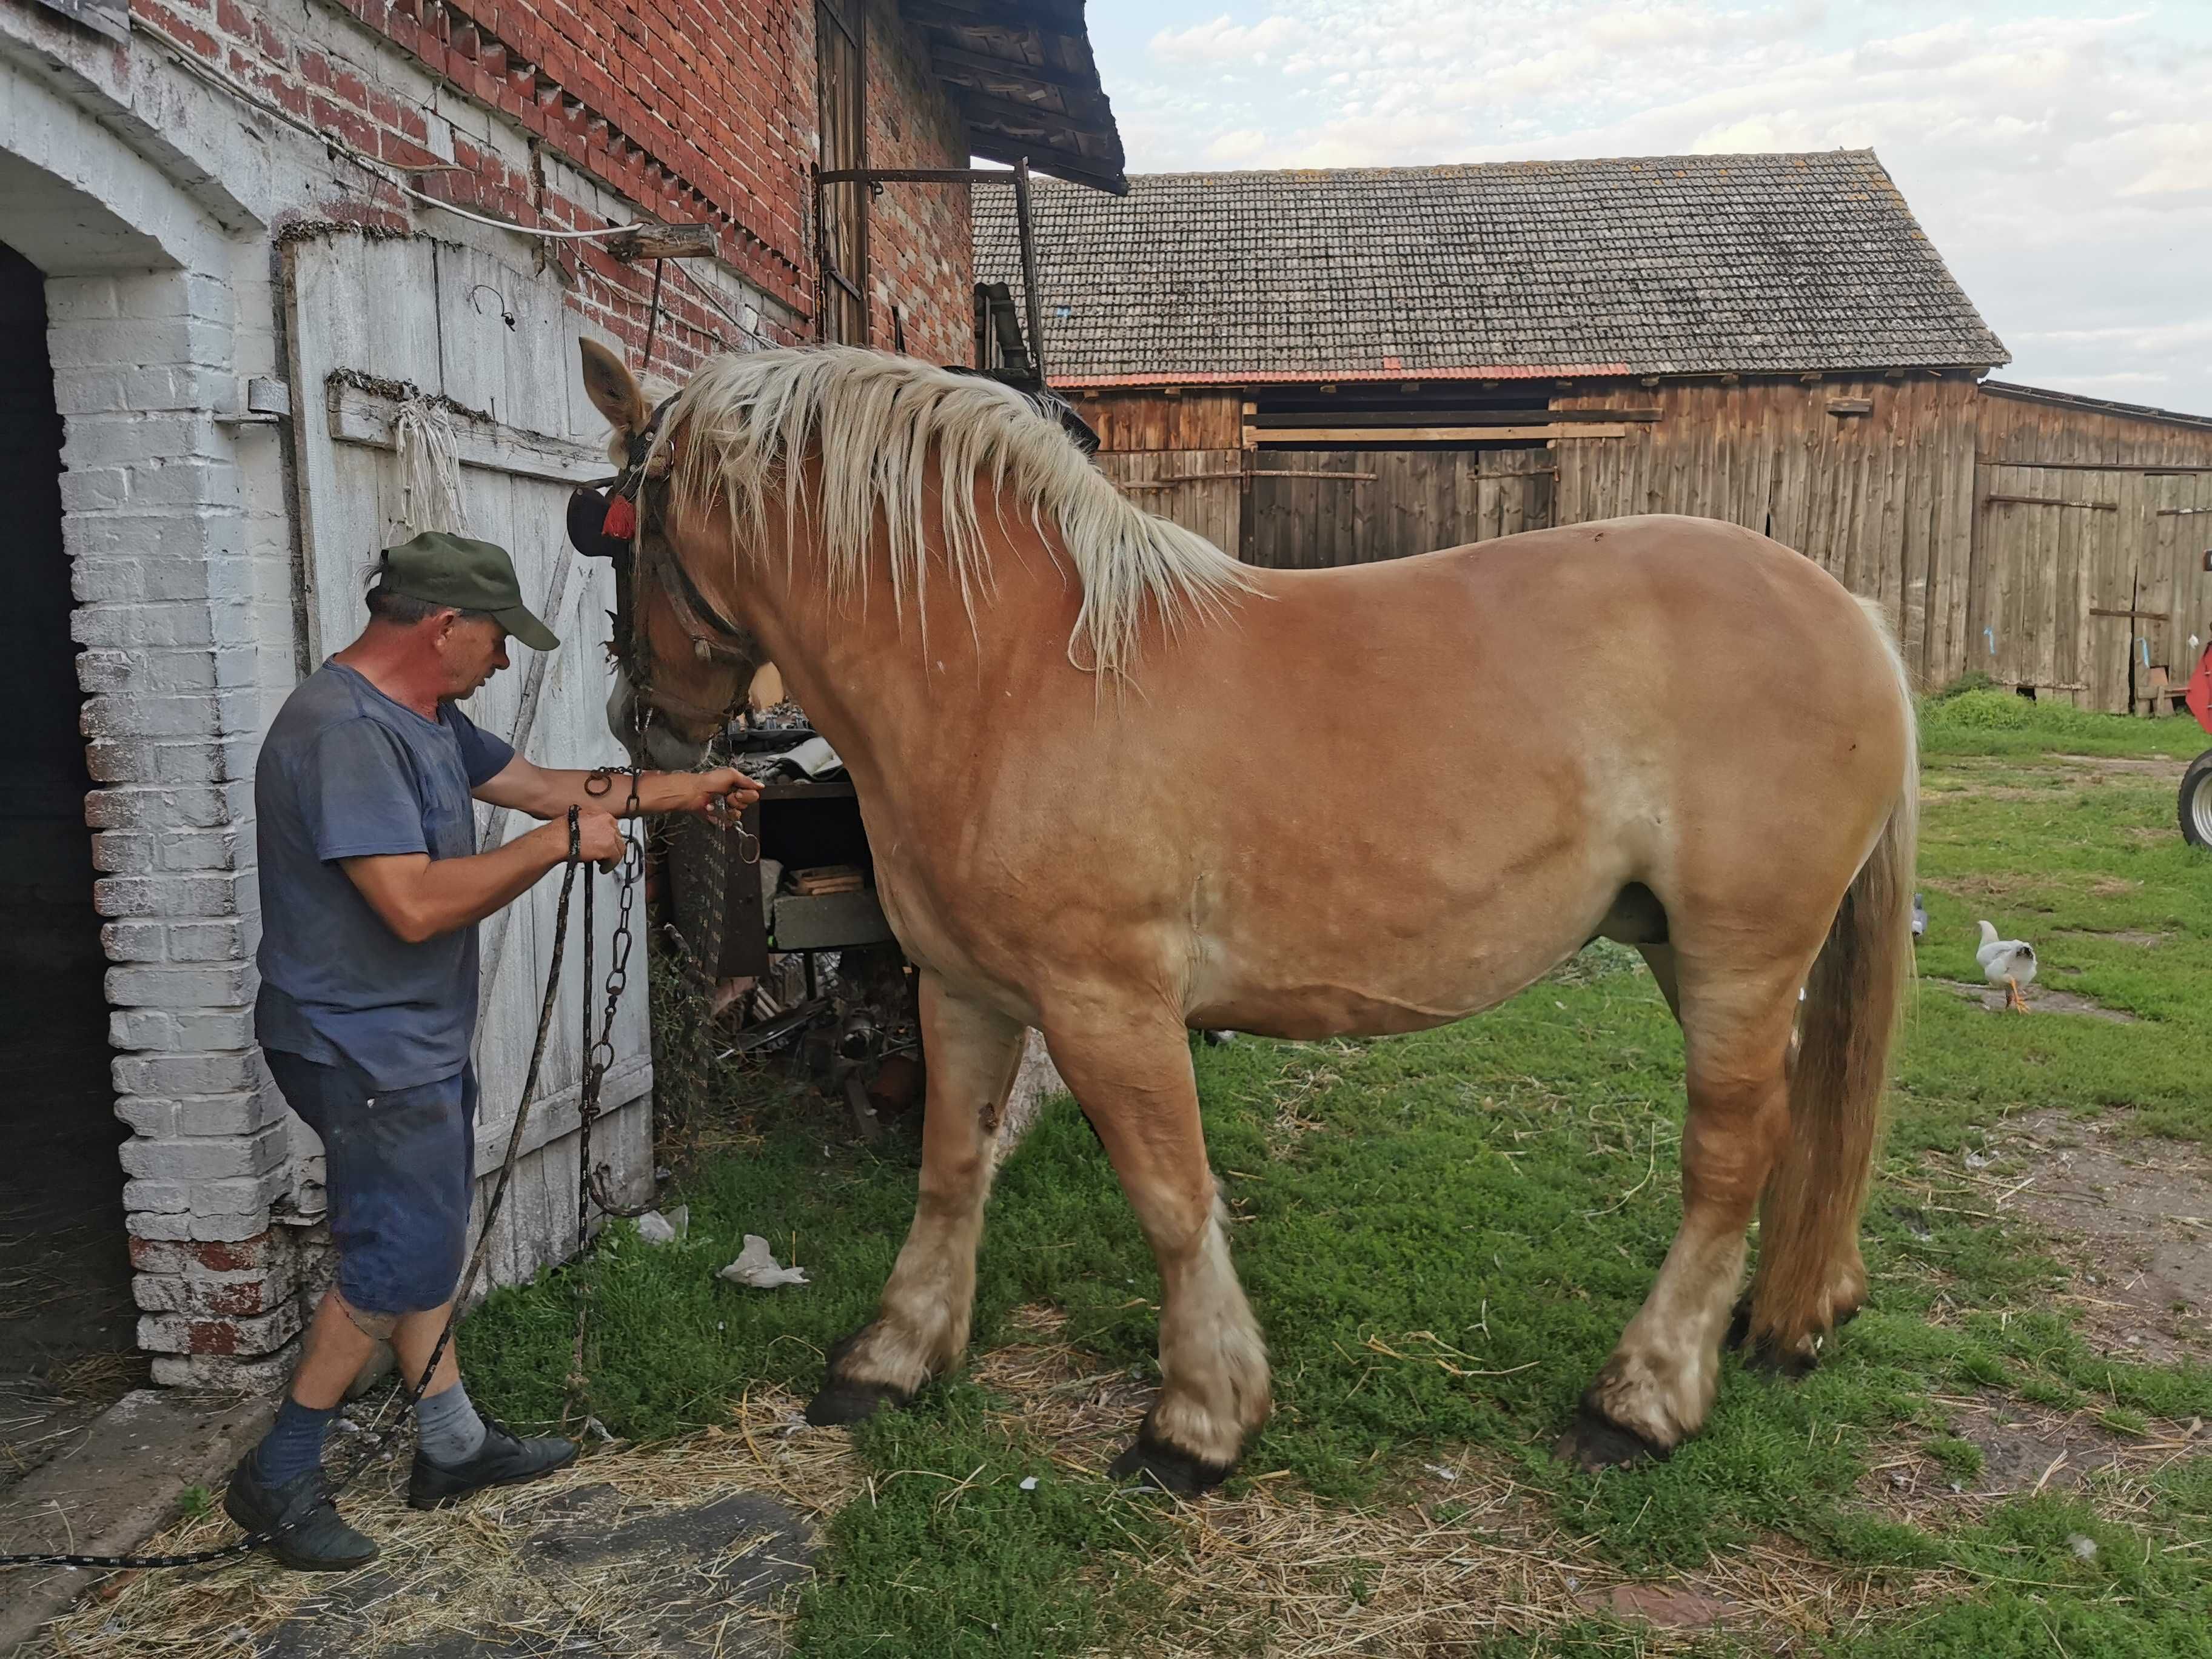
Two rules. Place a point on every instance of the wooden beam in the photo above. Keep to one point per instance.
(1264, 472)
(2052, 500)
(1306, 436)
(665, 242)
(1049, 158)
(981, 109)
(1410, 418)
(2151, 469)
(371, 419)
(1009, 70)
(1013, 16)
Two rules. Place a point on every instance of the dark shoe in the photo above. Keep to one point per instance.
(503, 1460)
(309, 1535)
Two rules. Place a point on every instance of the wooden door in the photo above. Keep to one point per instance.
(393, 335)
(2177, 592)
(1312, 508)
(1200, 489)
(2089, 580)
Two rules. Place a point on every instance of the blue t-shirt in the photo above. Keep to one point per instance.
(346, 772)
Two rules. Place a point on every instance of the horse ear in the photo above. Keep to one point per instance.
(612, 390)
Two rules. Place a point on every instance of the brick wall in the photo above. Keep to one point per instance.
(920, 255)
(697, 111)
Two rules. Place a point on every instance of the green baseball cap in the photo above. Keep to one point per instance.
(469, 575)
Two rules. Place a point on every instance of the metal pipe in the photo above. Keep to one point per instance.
(1030, 302)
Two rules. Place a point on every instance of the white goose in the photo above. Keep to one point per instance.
(2007, 962)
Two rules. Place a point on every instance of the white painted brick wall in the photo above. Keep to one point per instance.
(180, 530)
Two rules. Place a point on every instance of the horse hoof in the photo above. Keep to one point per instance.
(842, 1402)
(1738, 1329)
(1771, 1359)
(1597, 1442)
(1156, 1463)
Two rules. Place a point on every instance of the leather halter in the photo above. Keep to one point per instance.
(714, 636)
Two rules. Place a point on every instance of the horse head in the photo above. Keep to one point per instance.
(684, 666)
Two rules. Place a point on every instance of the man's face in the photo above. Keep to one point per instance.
(471, 650)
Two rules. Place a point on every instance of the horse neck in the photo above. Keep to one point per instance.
(883, 691)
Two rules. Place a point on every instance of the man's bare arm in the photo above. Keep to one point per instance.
(545, 791)
(419, 897)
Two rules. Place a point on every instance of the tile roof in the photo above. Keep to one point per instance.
(1660, 266)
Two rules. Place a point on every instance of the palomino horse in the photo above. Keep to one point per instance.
(1087, 748)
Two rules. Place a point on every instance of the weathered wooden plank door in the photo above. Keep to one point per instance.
(2085, 586)
(1200, 489)
(1312, 509)
(389, 334)
(2177, 590)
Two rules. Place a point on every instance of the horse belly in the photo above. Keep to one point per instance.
(1381, 970)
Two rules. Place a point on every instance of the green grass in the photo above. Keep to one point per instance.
(1494, 1198)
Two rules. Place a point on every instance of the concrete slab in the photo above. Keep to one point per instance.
(121, 1484)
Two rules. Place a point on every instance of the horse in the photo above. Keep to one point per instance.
(1088, 750)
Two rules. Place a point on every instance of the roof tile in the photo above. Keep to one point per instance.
(1667, 264)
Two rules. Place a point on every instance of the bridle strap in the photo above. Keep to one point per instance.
(707, 627)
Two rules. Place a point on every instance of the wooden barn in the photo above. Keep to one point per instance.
(1321, 367)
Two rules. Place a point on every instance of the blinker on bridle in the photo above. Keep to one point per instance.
(603, 522)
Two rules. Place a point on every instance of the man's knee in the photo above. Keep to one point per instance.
(377, 1327)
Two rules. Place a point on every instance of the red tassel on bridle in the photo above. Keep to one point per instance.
(622, 519)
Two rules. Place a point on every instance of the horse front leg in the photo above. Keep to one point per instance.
(1131, 1076)
(921, 1325)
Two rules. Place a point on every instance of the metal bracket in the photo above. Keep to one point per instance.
(267, 402)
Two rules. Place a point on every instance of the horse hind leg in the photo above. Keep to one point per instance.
(1132, 1078)
(1655, 1391)
(920, 1327)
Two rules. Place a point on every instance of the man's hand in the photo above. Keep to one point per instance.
(548, 794)
(715, 796)
(599, 839)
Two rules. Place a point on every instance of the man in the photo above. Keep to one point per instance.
(371, 890)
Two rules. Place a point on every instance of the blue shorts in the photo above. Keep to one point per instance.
(400, 1172)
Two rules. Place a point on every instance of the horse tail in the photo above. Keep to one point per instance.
(1810, 1274)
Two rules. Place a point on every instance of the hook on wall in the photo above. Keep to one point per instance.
(506, 311)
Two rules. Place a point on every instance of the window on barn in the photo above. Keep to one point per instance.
(841, 37)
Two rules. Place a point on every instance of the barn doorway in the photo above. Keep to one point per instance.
(67, 1324)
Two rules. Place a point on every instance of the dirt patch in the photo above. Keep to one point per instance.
(2041, 1000)
(2117, 935)
(2130, 1217)
(2023, 1450)
(2160, 766)
(1987, 887)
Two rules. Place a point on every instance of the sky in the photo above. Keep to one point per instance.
(2059, 155)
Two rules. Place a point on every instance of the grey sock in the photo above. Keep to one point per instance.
(447, 1429)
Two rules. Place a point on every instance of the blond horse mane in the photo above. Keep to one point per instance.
(881, 425)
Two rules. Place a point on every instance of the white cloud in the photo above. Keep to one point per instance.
(2056, 150)
(1223, 41)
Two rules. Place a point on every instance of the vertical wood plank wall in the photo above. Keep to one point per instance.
(1880, 499)
(2093, 574)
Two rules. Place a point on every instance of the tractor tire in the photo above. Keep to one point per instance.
(2197, 801)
